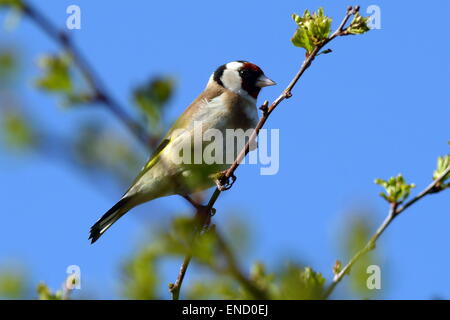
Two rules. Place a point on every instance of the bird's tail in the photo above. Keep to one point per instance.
(111, 216)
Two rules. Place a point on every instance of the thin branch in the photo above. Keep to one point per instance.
(350, 11)
(101, 95)
(267, 110)
(203, 214)
(287, 93)
(174, 288)
(394, 211)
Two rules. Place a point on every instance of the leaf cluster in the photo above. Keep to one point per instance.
(62, 78)
(442, 164)
(312, 29)
(359, 24)
(152, 98)
(396, 189)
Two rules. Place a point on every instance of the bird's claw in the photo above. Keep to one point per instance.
(225, 183)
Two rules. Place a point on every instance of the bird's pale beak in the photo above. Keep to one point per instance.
(263, 81)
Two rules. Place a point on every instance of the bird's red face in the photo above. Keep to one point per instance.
(242, 77)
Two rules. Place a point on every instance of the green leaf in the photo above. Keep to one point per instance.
(301, 39)
(12, 283)
(297, 283)
(140, 275)
(261, 278)
(326, 51)
(44, 293)
(152, 97)
(56, 76)
(17, 131)
(442, 164)
(17, 4)
(358, 24)
(61, 76)
(312, 29)
(8, 65)
(396, 189)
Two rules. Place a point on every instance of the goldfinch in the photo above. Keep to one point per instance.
(228, 102)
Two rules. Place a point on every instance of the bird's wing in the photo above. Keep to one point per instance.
(186, 118)
(154, 158)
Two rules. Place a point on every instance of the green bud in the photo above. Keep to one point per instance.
(396, 189)
(442, 164)
(358, 25)
(312, 29)
(56, 76)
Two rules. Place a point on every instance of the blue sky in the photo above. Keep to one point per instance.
(375, 107)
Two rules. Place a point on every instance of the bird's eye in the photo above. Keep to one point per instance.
(243, 72)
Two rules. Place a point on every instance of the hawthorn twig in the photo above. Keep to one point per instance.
(286, 94)
(174, 288)
(394, 211)
(204, 215)
(266, 112)
(100, 94)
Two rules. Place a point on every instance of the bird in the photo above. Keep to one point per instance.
(227, 102)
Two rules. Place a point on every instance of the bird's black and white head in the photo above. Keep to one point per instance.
(241, 77)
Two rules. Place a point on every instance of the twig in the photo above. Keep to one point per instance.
(267, 110)
(204, 214)
(286, 94)
(175, 287)
(394, 211)
(101, 95)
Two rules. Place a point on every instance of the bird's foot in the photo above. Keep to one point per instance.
(203, 213)
(224, 183)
